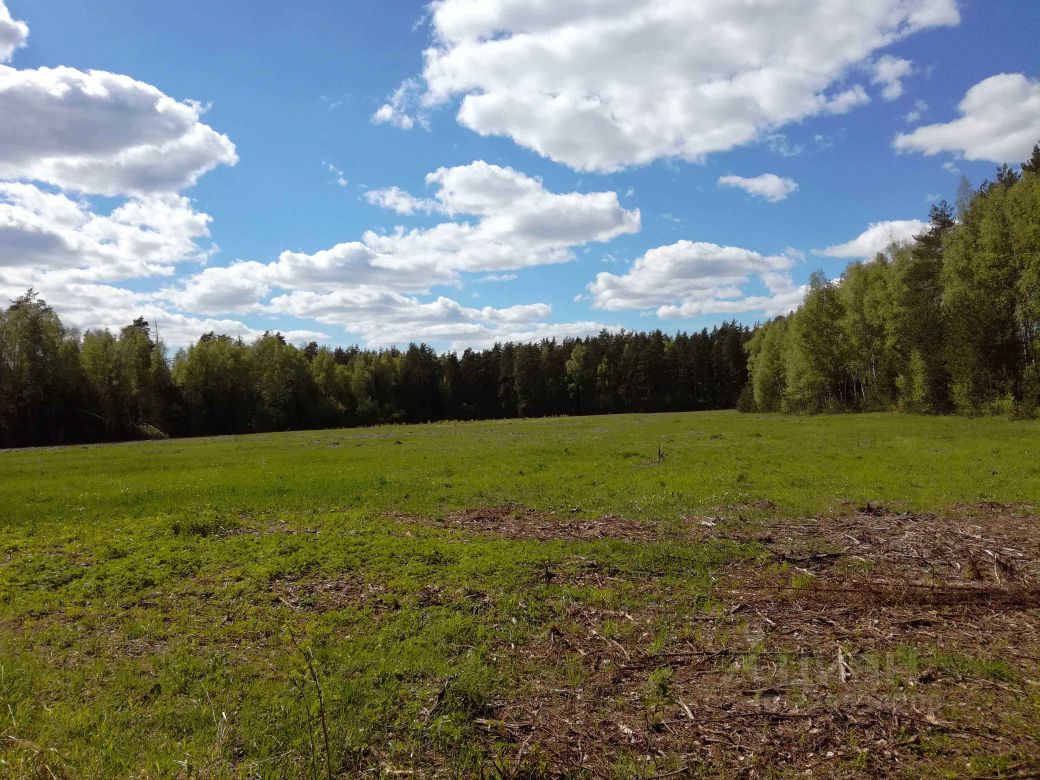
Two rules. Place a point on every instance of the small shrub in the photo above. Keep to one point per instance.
(1003, 406)
(746, 401)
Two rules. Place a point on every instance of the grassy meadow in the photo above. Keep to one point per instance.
(337, 603)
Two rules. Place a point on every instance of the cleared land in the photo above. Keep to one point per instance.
(637, 596)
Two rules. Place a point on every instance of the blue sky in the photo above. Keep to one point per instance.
(580, 169)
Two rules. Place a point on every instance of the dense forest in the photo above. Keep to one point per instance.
(949, 322)
(57, 386)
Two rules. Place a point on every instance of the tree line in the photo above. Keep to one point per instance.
(58, 386)
(949, 322)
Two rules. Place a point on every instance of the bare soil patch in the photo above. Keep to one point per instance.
(866, 645)
(515, 522)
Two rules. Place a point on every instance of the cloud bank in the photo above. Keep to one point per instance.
(498, 219)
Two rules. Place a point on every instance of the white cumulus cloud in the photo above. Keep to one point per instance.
(13, 33)
(888, 73)
(689, 278)
(1000, 122)
(876, 238)
(914, 115)
(102, 133)
(769, 186)
(396, 199)
(45, 233)
(500, 220)
(605, 85)
(383, 317)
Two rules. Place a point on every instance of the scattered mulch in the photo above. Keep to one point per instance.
(580, 572)
(325, 596)
(977, 544)
(439, 595)
(872, 644)
(514, 522)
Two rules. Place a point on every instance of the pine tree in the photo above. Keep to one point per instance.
(1032, 165)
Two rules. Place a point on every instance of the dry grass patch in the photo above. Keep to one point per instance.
(873, 644)
(516, 522)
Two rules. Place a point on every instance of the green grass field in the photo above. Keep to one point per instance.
(324, 604)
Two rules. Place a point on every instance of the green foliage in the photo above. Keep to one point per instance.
(766, 365)
(41, 379)
(577, 375)
(56, 388)
(815, 355)
(983, 349)
(867, 324)
(913, 385)
(947, 322)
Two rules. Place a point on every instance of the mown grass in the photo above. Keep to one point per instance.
(213, 608)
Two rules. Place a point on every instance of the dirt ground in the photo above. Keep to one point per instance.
(514, 522)
(869, 644)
